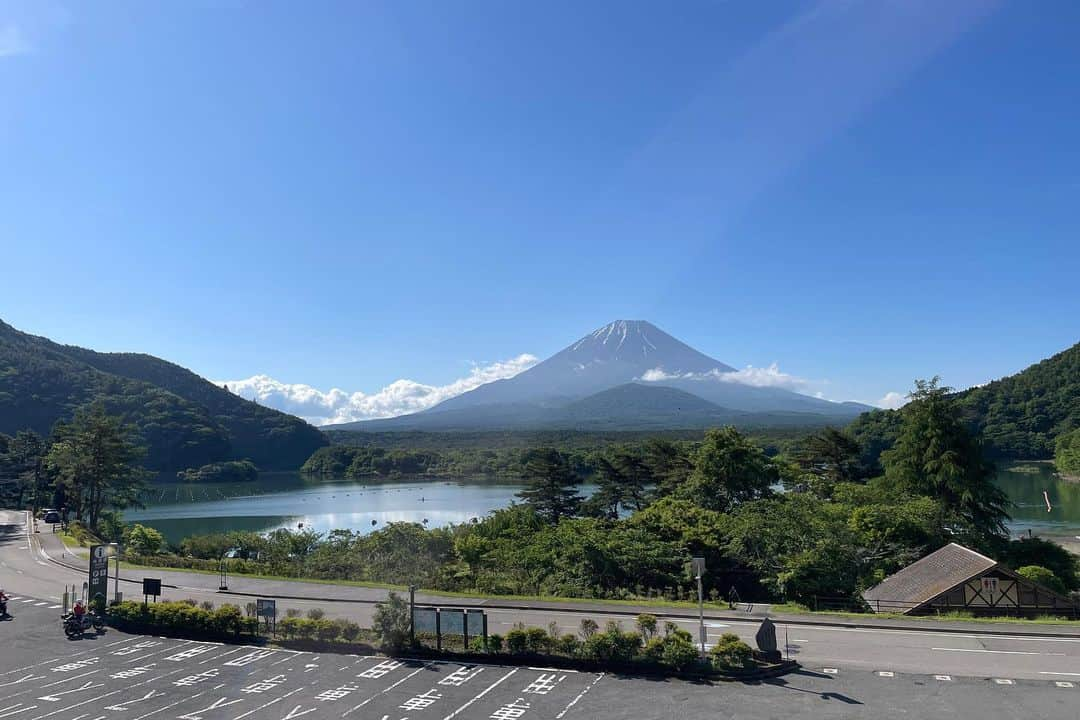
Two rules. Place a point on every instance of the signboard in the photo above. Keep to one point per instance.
(151, 586)
(699, 566)
(266, 608)
(474, 623)
(424, 620)
(453, 621)
(99, 572)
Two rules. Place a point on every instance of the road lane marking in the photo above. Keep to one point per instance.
(9, 711)
(1048, 672)
(1004, 681)
(414, 672)
(943, 678)
(996, 652)
(1064, 684)
(482, 693)
(886, 673)
(579, 696)
(830, 671)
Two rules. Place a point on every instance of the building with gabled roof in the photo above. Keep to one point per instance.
(958, 578)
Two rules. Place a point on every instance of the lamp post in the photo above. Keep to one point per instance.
(699, 570)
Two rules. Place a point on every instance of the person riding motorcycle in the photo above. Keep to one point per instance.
(3, 603)
(79, 611)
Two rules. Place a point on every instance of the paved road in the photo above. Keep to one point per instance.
(977, 654)
(133, 677)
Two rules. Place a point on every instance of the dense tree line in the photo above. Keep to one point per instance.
(181, 419)
(1018, 417)
(840, 527)
(89, 466)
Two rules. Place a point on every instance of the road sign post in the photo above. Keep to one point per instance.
(151, 586)
(98, 582)
(267, 608)
(699, 570)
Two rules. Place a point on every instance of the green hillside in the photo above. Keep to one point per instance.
(1019, 416)
(184, 420)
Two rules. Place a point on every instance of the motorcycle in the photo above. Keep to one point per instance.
(3, 610)
(75, 627)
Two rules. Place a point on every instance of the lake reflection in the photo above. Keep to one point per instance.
(288, 499)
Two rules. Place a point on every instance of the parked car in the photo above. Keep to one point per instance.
(52, 517)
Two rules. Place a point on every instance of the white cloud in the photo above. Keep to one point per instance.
(12, 41)
(765, 377)
(658, 374)
(757, 377)
(398, 398)
(892, 400)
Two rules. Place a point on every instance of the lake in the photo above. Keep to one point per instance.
(285, 500)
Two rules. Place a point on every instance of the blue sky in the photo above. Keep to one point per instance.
(348, 194)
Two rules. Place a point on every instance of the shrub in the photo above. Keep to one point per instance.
(142, 540)
(207, 605)
(588, 628)
(316, 614)
(348, 630)
(495, 643)
(538, 640)
(646, 625)
(191, 602)
(287, 627)
(392, 622)
(568, 645)
(227, 619)
(180, 619)
(517, 642)
(730, 653)
(250, 609)
(292, 613)
(305, 628)
(325, 630)
(654, 650)
(679, 653)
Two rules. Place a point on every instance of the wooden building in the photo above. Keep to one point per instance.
(958, 578)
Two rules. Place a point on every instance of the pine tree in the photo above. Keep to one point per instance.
(935, 455)
(551, 485)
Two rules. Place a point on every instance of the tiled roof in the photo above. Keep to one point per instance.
(925, 579)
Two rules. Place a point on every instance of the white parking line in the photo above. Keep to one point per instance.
(1047, 672)
(1004, 681)
(886, 673)
(995, 652)
(830, 671)
(579, 696)
(482, 693)
(414, 672)
(265, 705)
(943, 678)
(1064, 684)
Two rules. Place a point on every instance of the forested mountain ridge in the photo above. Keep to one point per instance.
(184, 420)
(1019, 416)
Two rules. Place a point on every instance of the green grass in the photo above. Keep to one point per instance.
(953, 616)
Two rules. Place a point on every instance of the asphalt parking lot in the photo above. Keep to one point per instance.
(117, 676)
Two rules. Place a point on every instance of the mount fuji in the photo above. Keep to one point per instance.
(630, 375)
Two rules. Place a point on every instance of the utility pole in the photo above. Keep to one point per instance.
(699, 570)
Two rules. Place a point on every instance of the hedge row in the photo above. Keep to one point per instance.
(673, 650)
(181, 619)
